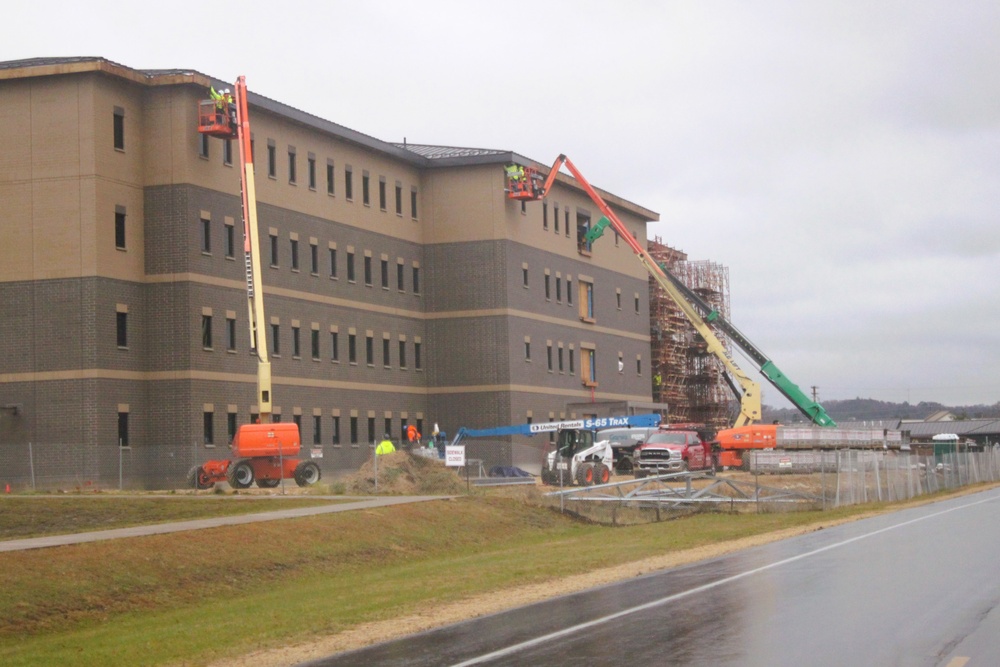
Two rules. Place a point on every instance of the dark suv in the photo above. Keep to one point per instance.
(624, 442)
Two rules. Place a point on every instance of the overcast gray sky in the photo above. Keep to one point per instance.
(841, 158)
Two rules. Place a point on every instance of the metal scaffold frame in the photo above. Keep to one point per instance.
(691, 381)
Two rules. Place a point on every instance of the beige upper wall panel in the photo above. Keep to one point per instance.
(15, 126)
(58, 246)
(124, 166)
(16, 251)
(464, 204)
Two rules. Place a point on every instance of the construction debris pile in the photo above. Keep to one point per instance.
(405, 474)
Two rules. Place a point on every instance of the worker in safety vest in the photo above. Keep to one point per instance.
(413, 435)
(385, 447)
(515, 172)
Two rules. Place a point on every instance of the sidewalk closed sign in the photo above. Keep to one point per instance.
(454, 456)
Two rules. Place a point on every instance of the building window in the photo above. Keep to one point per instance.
(416, 280)
(365, 190)
(272, 160)
(208, 423)
(354, 430)
(555, 217)
(297, 419)
(413, 203)
(329, 178)
(349, 184)
(121, 321)
(586, 301)
(317, 431)
(352, 348)
(291, 165)
(638, 365)
(296, 349)
(227, 152)
(621, 363)
(231, 334)
(385, 274)
(381, 194)
(582, 227)
(334, 346)
(566, 216)
(572, 362)
(336, 430)
(588, 362)
(548, 288)
(386, 361)
(315, 344)
(569, 291)
(274, 250)
(370, 350)
(203, 147)
(312, 172)
(402, 354)
(275, 339)
(524, 276)
(120, 227)
(295, 254)
(313, 259)
(560, 356)
(230, 427)
(400, 270)
(548, 355)
(636, 304)
(230, 241)
(206, 236)
(618, 298)
(350, 267)
(527, 350)
(368, 270)
(119, 129)
(333, 262)
(206, 332)
(545, 216)
(371, 429)
(123, 429)
(417, 363)
(399, 199)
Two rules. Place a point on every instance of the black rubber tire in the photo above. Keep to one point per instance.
(624, 466)
(268, 483)
(240, 474)
(602, 475)
(585, 474)
(307, 473)
(197, 479)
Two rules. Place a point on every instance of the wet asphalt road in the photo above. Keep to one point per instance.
(917, 587)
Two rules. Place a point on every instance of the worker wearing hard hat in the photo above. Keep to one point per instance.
(385, 447)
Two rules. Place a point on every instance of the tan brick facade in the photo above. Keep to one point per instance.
(148, 236)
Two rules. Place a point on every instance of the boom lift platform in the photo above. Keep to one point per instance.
(265, 452)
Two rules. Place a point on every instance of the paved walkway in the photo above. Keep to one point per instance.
(198, 524)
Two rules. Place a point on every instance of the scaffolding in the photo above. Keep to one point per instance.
(686, 376)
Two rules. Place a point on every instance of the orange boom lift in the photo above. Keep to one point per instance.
(266, 452)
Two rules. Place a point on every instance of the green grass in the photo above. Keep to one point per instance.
(193, 597)
(37, 516)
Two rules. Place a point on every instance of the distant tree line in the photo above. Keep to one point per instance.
(869, 409)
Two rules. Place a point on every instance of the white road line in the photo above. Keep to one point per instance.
(698, 589)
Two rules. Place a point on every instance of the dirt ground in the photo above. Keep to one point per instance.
(406, 479)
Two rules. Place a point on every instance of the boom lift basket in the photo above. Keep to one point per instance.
(215, 121)
(524, 184)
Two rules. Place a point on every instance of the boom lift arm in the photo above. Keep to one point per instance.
(749, 393)
(811, 409)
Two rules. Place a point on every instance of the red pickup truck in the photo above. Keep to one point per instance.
(672, 450)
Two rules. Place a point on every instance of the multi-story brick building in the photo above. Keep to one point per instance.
(401, 285)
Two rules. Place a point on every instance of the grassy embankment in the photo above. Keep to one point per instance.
(200, 595)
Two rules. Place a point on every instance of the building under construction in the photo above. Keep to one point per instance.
(686, 376)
